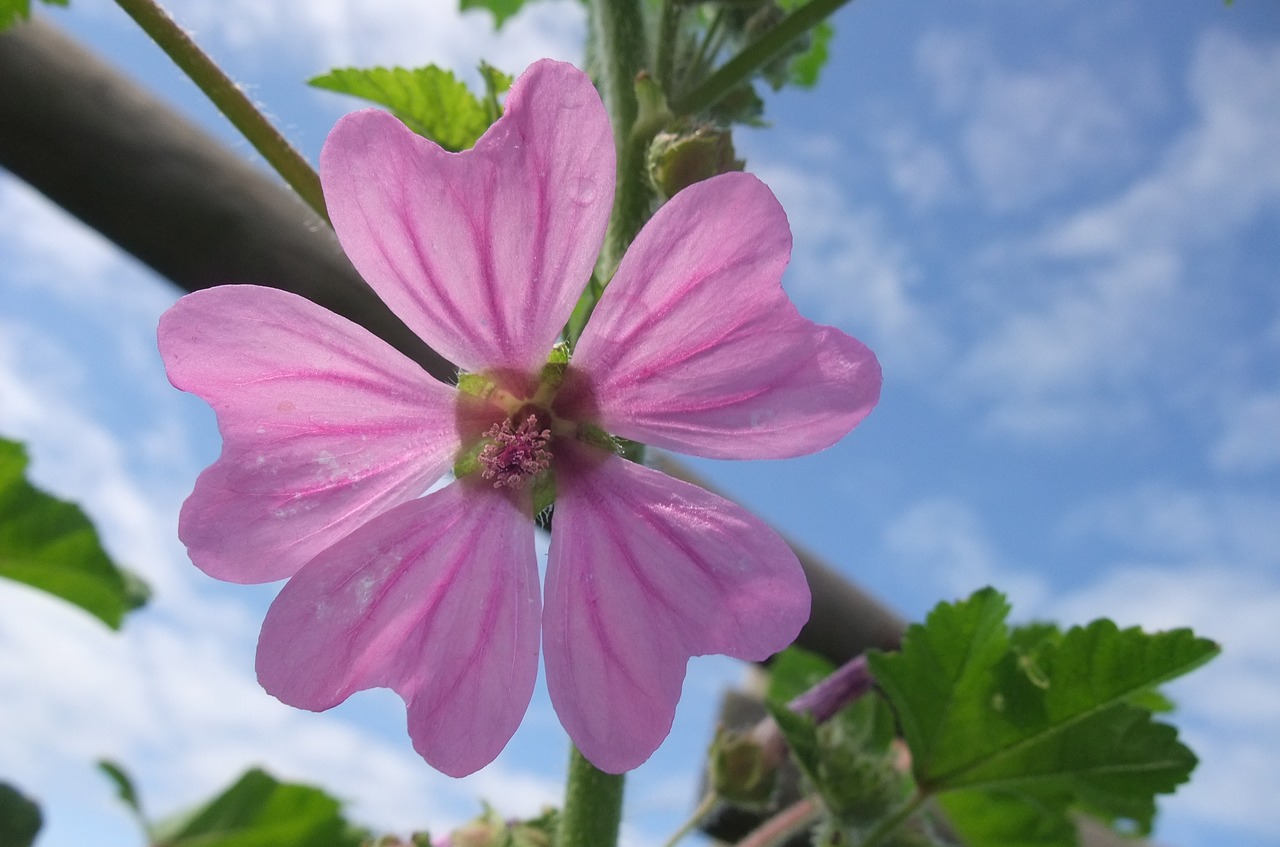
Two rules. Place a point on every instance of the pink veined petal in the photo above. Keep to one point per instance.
(644, 572)
(323, 426)
(482, 253)
(695, 347)
(436, 599)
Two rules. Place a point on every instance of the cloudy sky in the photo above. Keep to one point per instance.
(1056, 222)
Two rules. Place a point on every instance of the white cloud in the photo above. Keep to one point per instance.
(1073, 365)
(326, 33)
(850, 269)
(943, 543)
(1167, 521)
(1114, 325)
(919, 170)
(1026, 134)
(1250, 442)
(1216, 177)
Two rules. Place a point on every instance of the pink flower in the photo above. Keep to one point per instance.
(330, 436)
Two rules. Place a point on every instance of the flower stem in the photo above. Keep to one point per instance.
(592, 805)
(229, 99)
(704, 808)
(619, 33)
(780, 828)
(755, 55)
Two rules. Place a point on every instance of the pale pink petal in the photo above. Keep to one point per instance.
(323, 426)
(644, 572)
(436, 599)
(482, 253)
(695, 347)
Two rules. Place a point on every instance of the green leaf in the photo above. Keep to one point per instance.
(49, 544)
(1064, 728)
(125, 790)
(806, 67)
(1003, 819)
(431, 101)
(259, 811)
(793, 672)
(20, 819)
(501, 9)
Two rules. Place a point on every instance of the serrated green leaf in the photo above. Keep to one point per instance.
(1004, 819)
(49, 544)
(501, 9)
(20, 819)
(431, 101)
(939, 683)
(977, 717)
(260, 811)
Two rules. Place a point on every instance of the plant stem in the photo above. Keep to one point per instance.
(888, 825)
(704, 807)
(229, 99)
(755, 55)
(780, 828)
(668, 35)
(592, 805)
(619, 34)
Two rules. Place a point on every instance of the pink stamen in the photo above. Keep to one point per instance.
(515, 454)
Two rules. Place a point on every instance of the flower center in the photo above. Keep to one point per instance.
(515, 454)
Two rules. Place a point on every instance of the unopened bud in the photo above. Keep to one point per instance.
(744, 768)
(849, 682)
(680, 157)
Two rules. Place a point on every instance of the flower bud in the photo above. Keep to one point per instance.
(849, 682)
(680, 157)
(743, 768)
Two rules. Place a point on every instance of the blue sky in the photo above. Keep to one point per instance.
(1056, 223)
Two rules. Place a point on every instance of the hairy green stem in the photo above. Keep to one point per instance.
(229, 99)
(754, 55)
(592, 806)
(619, 34)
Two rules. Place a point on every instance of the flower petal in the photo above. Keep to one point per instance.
(482, 253)
(695, 347)
(436, 599)
(323, 426)
(644, 572)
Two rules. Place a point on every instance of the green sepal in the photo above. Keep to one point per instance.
(476, 385)
(544, 491)
(468, 461)
(553, 371)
